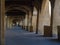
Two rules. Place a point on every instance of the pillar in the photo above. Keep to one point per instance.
(37, 5)
(5, 22)
(8, 21)
(27, 22)
(2, 6)
(23, 22)
(44, 18)
(47, 27)
(51, 20)
(56, 19)
(37, 21)
(20, 21)
(0, 22)
(30, 21)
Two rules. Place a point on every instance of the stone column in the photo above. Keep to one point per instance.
(56, 19)
(47, 28)
(37, 6)
(27, 21)
(51, 20)
(5, 22)
(20, 21)
(2, 21)
(8, 23)
(44, 19)
(37, 21)
(30, 22)
(23, 22)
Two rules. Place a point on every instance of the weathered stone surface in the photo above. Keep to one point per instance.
(44, 18)
(47, 31)
(0, 22)
(56, 18)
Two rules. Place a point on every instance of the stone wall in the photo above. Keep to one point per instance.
(56, 17)
(44, 17)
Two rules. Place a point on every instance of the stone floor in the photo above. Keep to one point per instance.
(17, 36)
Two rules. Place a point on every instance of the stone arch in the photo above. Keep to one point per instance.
(22, 7)
(44, 18)
(15, 20)
(18, 8)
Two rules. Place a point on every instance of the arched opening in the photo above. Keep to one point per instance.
(20, 36)
(47, 28)
(14, 13)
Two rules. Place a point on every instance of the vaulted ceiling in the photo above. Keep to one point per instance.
(15, 12)
(26, 4)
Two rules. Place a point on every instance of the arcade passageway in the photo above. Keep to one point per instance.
(18, 36)
(29, 22)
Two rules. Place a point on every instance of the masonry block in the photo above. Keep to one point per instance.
(47, 31)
